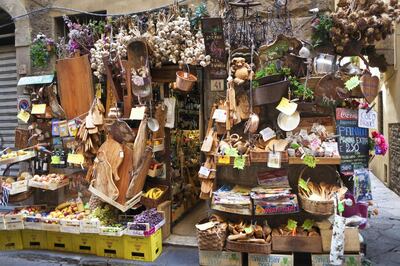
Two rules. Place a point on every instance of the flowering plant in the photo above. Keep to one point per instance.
(41, 49)
(81, 37)
(380, 144)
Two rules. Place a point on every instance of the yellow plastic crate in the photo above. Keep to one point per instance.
(143, 248)
(110, 246)
(84, 243)
(59, 241)
(10, 240)
(34, 239)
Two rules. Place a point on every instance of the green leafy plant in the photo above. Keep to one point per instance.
(322, 26)
(310, 161)
(41, 50)
(199, 12)
(292, 226)
(300, 91)
(303, 184)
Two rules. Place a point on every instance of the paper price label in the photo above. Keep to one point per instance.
(267, 134)
(274, 160)
(55, 159)
(219, 115)
(38, 109)
(137, 113)
(24, 116)
(224, 160)
(352, 83)
(75, 158)
(239, 162)
(286, 107)
(204, 171)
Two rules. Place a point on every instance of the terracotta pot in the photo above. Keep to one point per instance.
(270, 93)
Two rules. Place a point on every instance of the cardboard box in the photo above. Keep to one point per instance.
(59, 241)
(11, 240)
(34, 239)
(220, 258)
(166, 228)
(143, 248)
(351, 240)
(84, 243)
(271, 260)
(110, 246)
(323, 260)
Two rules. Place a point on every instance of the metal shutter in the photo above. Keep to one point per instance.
(8, 99)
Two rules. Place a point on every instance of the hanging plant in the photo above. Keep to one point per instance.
(322, 26)
(300, 91)
(41, 50)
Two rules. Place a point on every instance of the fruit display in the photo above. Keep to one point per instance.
(149, 217)
(13, 154)
(250, 233)
(50, 178)
(106, 216)
(154, 193)
(69, 211)
(291, 229)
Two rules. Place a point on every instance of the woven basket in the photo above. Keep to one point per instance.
(317, 207)
(213, 238)
(248, 247)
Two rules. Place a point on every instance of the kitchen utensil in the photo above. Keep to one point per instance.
(114, 154)
(124, 172)
(121, 131)
(324, 63)
(252, 124)
(288, 122)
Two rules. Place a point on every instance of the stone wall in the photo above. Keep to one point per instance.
(394, 155)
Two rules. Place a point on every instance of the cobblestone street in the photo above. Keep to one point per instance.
(383, 235)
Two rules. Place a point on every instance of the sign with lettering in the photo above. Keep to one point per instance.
(367, 119)
(213, 33)
(353, 142)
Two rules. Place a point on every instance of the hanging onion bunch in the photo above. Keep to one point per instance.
(363, 21)
(174, 42)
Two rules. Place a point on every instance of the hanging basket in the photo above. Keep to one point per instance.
(185, 81)
(270, 93)
(325, 207)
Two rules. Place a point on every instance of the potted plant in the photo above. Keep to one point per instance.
(269, 74)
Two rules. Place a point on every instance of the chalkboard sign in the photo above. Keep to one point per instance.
(213, 33)
(353, 141)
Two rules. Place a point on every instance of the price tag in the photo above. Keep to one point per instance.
(98, 90)
(137, 113)
(274, 160)
(121, 154)
(38, 109)
(224, 159)
(367, 120)
(24, 116)
(303, 133)
(204, 171)
(286, 107)
(239, 162)
(75, 158)
(229, 151)
(219, 115)
(55, 159)
(267, 134)
(352, 83)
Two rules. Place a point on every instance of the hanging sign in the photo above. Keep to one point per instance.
(287, 107)
(75, 158)
(367, 119)
(24, 116)
(352, 141)
(213, 33)
(137, 113)
(38, 109)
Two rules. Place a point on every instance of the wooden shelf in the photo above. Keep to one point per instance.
(320, 160)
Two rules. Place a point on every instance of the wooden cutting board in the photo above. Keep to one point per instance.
(124, 172)
(114, 153)
(74, 77)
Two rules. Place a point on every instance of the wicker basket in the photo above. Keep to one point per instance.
(317, 207)
(153, 203)
(248, 247)
(213, 238)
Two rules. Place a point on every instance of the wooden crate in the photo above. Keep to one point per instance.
(306, 244)
(166, 228)
(220, 258)
(320, 160)
(351, 240)
(262, 157)
(270, 260)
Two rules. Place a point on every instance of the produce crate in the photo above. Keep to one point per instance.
(84, 243)
(323, 260)
(351, 240)
(153, 203)
(320, 160)
(59, 241)
(262, 157)
(51, 224)
(166, 228)
(143, 248)
(11, 240)
(270, 260)
(91, 226)
(14, 221)
(111, 231)
(34, 239)
(33, 223)
(248, 247)
(148, 230)
(110, 246)
(49, 186)
(220, 258)
(19, 187)
(70, 226)
(2, 222)
(306, 244)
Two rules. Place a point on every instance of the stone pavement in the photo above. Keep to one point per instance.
(383, 235)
